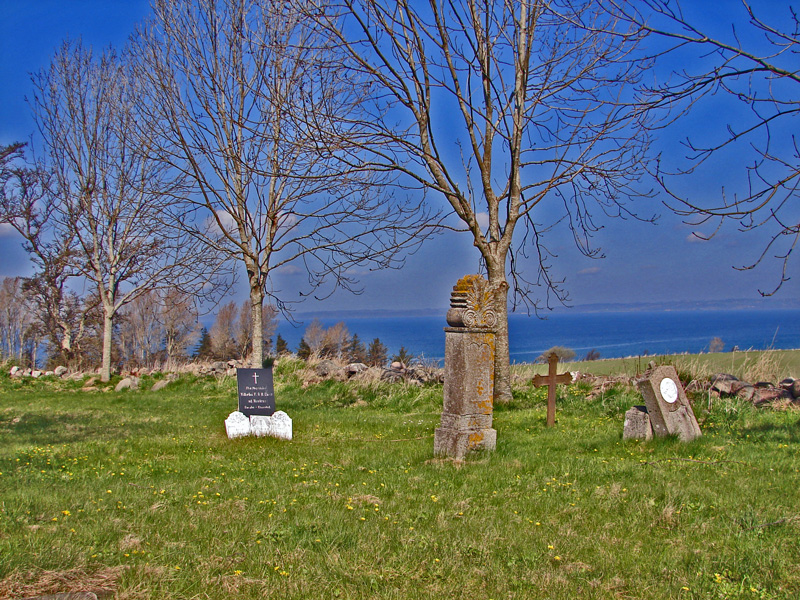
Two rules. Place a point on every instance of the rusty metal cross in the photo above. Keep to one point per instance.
(551, 380)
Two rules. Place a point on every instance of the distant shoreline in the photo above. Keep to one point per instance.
(684, 306)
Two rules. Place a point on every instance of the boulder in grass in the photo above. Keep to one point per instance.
(129, 383)
(160, 385)
(60, 371)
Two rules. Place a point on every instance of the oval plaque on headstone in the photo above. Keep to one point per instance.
(256, 391)
(669, 390)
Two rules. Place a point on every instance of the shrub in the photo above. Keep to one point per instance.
(563, 354)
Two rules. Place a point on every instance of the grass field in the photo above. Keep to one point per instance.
(141, 494)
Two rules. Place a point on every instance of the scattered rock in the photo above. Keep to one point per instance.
(326, 368)
(745, 391)
(60, 371)
(36, 374)
(723, 382)
(770, 395)
(392, 376)
(355, 368)
(131, 383)
(15, 371)
(159, 385)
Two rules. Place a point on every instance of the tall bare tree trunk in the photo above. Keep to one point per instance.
(502, 368)
(257, 318)
(108, 330)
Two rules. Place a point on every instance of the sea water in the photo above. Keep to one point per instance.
(612, 334)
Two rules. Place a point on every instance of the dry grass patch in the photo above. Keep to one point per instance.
(102, 582)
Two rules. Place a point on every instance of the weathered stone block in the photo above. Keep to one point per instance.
(637, 424)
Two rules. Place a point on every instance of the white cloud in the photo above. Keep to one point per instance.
(225, 219)
(589, 271)
(289, 270)
(286, 221)
(483, 220)
(693, 238)
(6, 230)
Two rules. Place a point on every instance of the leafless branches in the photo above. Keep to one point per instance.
(518, 113)
(751, 73)
(109, 190)
(258, 113)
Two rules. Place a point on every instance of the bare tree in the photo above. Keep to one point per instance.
(30, 204)
(141, 334)
(754, 66)
(244, 328)
(258, 113)
(335, 341)
(16, 318)
(179, 319)
(112, 190)
(314, 337)
(223, 332)
(521, 114)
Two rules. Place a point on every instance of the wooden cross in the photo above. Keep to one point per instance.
(551, 380)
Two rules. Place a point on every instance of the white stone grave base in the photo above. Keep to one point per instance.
(237, 425)
(279, 425)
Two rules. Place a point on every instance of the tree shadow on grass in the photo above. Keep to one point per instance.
(774, 432)
(63, 428)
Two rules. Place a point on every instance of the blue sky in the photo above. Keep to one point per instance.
(644, 262)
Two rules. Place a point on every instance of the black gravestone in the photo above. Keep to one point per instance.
(256, 391)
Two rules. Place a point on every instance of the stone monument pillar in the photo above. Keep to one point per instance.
(468, 371)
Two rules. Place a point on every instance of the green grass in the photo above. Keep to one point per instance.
(141, 493)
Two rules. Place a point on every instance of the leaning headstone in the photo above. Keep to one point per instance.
(667, 405)
(468, 371)
(279, 426)
(637, 424)
(237, 425)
